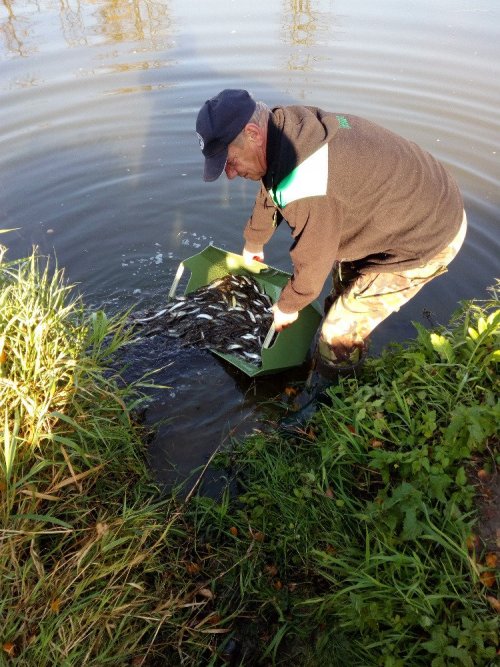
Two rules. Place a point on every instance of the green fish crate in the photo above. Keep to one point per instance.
(280, 351)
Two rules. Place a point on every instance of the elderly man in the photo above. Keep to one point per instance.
(362, 202)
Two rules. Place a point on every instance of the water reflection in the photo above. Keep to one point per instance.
(300, 26)
(72, 23)
(304, 27)
(14, 32)
(80, 21)
(136, 20)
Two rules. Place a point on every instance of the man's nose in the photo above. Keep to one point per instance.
(230, 171)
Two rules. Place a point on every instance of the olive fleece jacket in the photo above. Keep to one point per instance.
(371, 198)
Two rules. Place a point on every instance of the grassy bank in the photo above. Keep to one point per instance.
(354, 543)
(92, 567)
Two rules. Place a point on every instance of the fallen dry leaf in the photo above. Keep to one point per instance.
(310, 433)
(488, 579)
(494, 602)
(491, 560)
(192, 568)
(101, 528)
(9, 648)
(472, 542)
(214, 619)
(258, 535)
(55, 605)
(206, 593)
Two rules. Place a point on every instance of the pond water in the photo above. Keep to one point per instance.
(100, 165)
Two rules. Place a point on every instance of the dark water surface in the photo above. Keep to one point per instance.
(100, 166)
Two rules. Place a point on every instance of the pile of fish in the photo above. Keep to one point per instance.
(230, 315)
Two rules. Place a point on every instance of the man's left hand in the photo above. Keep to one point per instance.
(281, 319)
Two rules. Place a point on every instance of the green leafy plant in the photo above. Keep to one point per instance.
(364, 517)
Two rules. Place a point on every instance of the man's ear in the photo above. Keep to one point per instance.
(254, 133)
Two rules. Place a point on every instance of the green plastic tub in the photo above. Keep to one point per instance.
(280, 351)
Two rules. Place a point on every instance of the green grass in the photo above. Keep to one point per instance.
(363, 520)
(347, 545)
(92, 559)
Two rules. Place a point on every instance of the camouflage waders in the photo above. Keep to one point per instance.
(358, 303)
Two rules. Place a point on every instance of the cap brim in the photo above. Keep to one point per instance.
(214, 166)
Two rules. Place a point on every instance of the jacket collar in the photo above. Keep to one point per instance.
(280, 152)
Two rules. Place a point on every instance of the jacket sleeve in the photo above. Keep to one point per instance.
(261, 224)
(314, 251)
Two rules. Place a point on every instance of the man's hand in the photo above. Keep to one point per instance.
(281, 319)
(249, 257)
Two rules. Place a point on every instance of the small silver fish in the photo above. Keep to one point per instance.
(252, 356)
(249, 336)
(215, 284)
(152, 317)
(176, 306)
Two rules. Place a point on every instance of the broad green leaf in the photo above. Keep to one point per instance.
(461, 477)
(472, 333)
(443, 347)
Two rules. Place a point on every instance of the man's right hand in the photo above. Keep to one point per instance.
(249, 257)
(281, 319)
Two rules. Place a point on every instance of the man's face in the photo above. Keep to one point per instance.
(246, 158)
